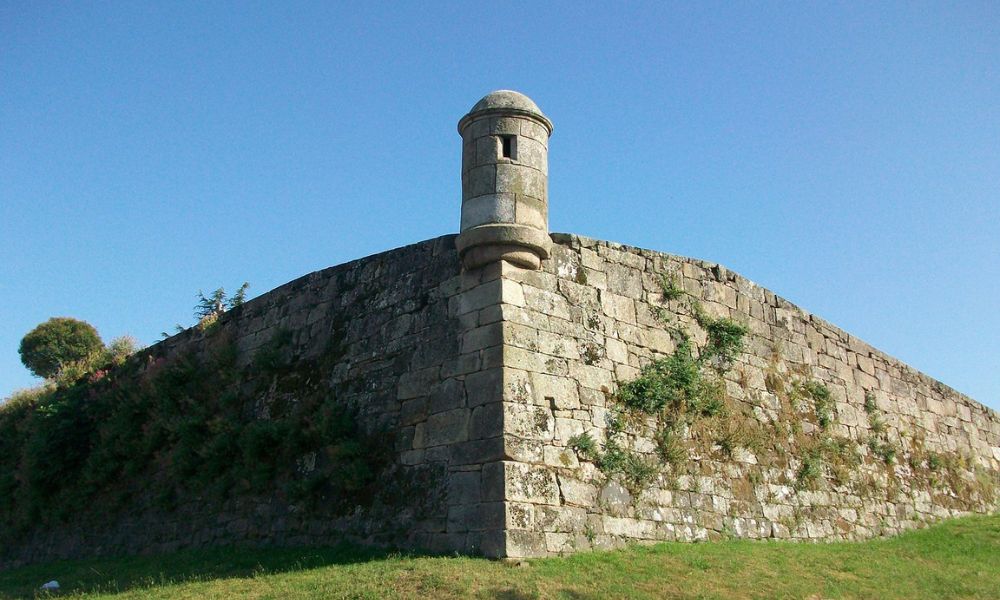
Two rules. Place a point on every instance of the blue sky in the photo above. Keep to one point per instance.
(846, 156)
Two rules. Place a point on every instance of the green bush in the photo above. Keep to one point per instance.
(585, 445)
(673, 381)
(725, 338)
(190, 425)
(50, 347)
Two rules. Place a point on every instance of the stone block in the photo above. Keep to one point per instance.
(464, 487)
(546, 302)
(540, 279)
(593, 397)
(488, 208)
(592, 377)
(493, 543)
(531, 211)
(630, 528)
(523, 543)
(487, 421)
(557, 345)
(519, 515)
(417, 383)
(511, 293)
(504, 126)
(559, 457)
(447, 395)
(484, 387)
(523, 450)
(488, 516)
(482, 337)
(476, 298)
(578, 294)
(413, 411)
(616, 498)
(487, 150)
(447, 427)
(476, 452)
(534, 484)
(533, 153)
(558, 543)
(461, 365)
(525, 360)
(479, 181)
(534, 131)
(493, 482)
(563, 519)
(567, 428)
(620, 308)
(558, 392)
(513, 179)
(624, 281)
(528, 421)
(521, 336)
(576, 492)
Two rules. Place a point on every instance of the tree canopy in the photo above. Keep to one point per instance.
(58, 342)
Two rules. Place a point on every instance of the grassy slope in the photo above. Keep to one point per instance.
(955, 559)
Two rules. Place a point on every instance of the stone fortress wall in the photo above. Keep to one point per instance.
(593, 316)
(398, 330)
(487, 359)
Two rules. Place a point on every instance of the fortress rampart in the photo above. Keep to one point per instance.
(531, 394)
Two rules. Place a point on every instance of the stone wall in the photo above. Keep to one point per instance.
(484, 381)
(596, 313)
(415, 354)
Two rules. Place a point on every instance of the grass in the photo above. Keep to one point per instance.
(959, 558)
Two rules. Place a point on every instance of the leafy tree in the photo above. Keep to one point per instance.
(56, 343)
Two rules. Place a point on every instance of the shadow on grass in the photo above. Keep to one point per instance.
(120, 574)
(511, 594)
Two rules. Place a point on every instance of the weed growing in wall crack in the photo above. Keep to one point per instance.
(878, 443)
(669, 287)
(822, 404)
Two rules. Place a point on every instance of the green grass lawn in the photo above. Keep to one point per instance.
(954, 559)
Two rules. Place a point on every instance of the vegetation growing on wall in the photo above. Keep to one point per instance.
(680, 402)
(190, 426)
(669, 397)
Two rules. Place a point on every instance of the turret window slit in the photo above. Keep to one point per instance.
(508, 146)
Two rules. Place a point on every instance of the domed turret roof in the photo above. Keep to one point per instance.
(507, 101)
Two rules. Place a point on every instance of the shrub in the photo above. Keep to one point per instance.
(120, 349)
(585, 445)
(190, 425)
(52, 346)
(725, 339)
(674, 381)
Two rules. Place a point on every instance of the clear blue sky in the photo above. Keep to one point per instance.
(846, 156)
